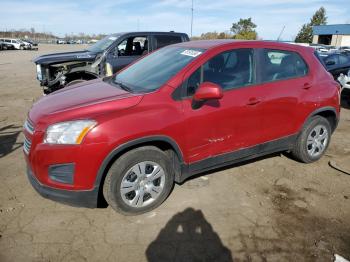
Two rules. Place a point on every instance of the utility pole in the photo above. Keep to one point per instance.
(191, 18)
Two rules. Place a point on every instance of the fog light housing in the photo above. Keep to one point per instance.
(62, 173)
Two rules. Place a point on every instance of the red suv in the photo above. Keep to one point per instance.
(179, 111)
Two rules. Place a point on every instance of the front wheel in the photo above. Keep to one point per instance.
(313, 140)
(139, 181)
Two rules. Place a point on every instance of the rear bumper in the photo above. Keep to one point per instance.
(87, 198)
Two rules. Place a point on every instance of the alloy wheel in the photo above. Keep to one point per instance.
(317, 140)
(142, 184)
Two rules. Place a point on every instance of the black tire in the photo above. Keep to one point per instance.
(300, 150)
(73, 82)
(115, 175)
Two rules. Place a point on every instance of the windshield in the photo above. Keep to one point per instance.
(151, 72)
(103, 44)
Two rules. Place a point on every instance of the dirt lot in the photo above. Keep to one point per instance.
(271, 209)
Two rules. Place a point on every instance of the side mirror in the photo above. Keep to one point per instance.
(330, 62)
(208, 91)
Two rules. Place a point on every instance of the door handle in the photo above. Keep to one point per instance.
(253, 101)
(307, 86)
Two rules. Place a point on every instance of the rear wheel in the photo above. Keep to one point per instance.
(313, 140)
(139, 181)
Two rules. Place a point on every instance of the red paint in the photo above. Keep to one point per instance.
(236, 119)
(207, 91)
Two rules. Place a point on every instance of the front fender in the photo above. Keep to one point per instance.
(130, 144)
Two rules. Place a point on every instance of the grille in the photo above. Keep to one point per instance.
(26, 145)
(28, 125)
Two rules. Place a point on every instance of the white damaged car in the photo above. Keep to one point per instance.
(344, 80)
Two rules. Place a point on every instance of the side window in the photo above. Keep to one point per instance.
(133, 46)
(229, 70)
(331, 60)
(278, 65)
(194, 81)
(138, 45)
(122, 47)
(344, 59)
(164, 40)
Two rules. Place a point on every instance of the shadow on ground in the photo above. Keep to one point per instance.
(188, 236)
(8, 139)
(235, 165)
(295, 234)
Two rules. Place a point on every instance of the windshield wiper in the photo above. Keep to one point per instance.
(123, 86)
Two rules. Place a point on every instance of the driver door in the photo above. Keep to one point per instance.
(126, 52)
(231, 123)
(199, 122)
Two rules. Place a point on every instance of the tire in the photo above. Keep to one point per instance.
(21, 48)
(313, 140)
(125, 173)
(75, 82)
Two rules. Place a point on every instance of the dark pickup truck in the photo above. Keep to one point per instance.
(107, 56)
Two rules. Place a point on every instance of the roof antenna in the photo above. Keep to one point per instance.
(192, 17)
(279, 36)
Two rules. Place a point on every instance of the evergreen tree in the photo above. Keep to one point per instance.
(305, 33)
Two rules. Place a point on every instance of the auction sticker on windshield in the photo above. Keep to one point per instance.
(192, 53)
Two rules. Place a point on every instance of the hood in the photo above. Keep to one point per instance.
(91, 97)
(65, 57)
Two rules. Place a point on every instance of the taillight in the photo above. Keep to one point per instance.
(339, 89)
(337, 85)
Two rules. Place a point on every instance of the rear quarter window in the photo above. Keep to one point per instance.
(164, 40)
(344, 59)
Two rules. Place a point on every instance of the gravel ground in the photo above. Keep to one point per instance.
(270, 209)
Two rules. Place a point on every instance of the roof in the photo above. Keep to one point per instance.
(148, 33)
(208, 44)
(340, 29)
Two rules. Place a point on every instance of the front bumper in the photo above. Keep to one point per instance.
(86, 198)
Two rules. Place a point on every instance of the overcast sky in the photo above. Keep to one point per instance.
(110, 16)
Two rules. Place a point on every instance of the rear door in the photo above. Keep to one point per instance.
(285, 78)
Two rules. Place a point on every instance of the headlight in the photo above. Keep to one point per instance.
(38, 72)
(71, 132)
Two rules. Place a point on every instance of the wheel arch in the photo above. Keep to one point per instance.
(164, 143)
(330, 113)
